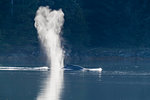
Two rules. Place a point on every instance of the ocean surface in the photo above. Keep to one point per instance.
(33, 84)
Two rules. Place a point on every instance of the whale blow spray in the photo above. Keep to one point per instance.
(48, 24)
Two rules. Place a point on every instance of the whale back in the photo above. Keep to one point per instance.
(73, 67)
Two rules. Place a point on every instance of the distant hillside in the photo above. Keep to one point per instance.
(88, 24)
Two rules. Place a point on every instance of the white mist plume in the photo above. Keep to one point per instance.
(48, 24)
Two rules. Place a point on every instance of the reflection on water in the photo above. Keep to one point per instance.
(52, 86)
(79, 85)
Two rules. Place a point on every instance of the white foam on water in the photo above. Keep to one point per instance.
(44, 68)
(94, 69)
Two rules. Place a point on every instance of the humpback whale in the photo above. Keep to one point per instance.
(80, 68)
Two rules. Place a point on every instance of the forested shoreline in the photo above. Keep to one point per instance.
(109, 24)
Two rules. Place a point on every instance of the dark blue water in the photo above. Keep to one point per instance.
(77, 85)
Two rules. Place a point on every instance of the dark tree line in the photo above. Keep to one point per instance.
(88, 24)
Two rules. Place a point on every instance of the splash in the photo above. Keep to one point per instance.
(48, 24)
